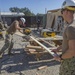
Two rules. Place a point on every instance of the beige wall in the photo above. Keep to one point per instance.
(52, 18)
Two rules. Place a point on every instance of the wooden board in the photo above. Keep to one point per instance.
(33, 47)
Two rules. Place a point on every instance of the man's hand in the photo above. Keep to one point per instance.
(57, 57)
(55, 50)
(21, 31)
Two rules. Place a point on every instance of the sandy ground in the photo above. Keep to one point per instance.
(22, 64)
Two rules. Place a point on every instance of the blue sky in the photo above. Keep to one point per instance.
(36, 6)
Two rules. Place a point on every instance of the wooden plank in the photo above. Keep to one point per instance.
(42, 67)
(38, 52)
(34, 47)
(34, 51)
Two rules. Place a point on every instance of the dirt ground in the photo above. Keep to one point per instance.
(23, 64)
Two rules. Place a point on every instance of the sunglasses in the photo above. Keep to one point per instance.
(67, 10)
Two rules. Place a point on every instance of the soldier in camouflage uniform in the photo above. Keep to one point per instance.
(67, 58)
(9, 35)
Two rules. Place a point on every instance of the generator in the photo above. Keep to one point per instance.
(27, 31)
(48, 33)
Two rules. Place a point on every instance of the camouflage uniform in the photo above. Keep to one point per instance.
(67, 67)
(9, 37)
(1, 25)
(1, 28)
(8, 43)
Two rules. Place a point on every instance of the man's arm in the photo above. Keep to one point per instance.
(19, 28)
(71, 51)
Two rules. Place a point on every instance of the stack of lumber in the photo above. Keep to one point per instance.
(35, 49)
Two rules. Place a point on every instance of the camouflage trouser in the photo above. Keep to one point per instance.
(8, 43)
(67, 67)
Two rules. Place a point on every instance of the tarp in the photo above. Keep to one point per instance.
(52, 19)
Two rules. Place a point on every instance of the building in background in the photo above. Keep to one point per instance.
(31, 21)
(10, 16)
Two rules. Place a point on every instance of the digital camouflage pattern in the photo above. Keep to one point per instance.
(67, 67)
(8, 43)
(1, 25)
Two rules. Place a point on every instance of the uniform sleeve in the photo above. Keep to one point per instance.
(71, 33)
(16, 23)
